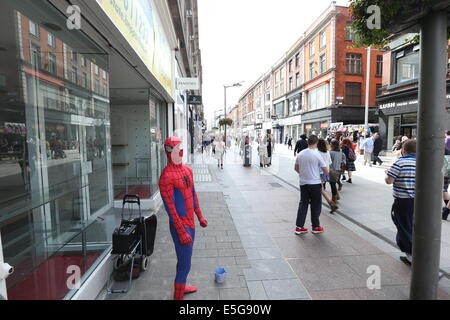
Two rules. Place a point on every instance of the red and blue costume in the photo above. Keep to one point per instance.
(176, 185)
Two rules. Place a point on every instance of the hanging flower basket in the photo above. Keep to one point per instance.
(397, 17)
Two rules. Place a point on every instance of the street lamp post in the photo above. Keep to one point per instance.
(225, 105)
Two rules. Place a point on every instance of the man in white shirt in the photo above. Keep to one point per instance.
(308, 165)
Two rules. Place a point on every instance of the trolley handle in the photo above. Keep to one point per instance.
(132, 198)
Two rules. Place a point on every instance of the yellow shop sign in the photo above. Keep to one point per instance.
(141, 26)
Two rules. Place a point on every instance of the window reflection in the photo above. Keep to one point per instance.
(54, 126)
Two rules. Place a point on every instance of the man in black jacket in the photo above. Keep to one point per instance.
(301, 145)
(377, 148)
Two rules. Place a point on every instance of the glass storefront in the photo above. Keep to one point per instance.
(54, 155)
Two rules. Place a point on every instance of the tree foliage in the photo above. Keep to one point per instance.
(226, 122)
(393, 14)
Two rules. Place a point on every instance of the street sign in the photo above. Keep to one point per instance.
(187, 84)
(197, 100)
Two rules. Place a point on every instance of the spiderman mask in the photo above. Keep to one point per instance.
(174, 150)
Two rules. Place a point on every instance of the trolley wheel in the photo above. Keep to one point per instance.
(118, 261)
(144, 264)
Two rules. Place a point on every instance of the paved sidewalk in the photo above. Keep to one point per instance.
(251, 218)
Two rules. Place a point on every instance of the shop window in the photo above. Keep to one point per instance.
(353, 63)
(319, 97)
(353, 93)
(407, 64)
(44, 204)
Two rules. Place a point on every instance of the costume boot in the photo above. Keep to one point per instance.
(335, 199)
(190, 290)
(179, 291)
(338, 196)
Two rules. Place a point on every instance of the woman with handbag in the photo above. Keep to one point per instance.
(322, 147)
(337, 162)
(350, 158)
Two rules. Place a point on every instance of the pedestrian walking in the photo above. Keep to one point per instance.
(350, 158)
(308, 165)
(336, 168)
(290, 143)
(322, 147)
(219, 151)
(402, 175)
(367, 146)
(301, 145)
(262, 152)
(270, 146)
(377, 148)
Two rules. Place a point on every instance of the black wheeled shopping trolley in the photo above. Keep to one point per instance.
(133, 244)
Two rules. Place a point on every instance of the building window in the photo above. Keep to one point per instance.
(291, 82)
(323, 39)
(353, 93)
(311, 48)
(34, 29)
(379, 72)
(51, 40)
(311, 70)
(96, 70)
(97, 86)
(349, 34)
(378, 90)
(104, 74)
(74, 75)
(290, 66)
(74, 56)
(353, 63)
(297, 60)
(323, 63)
(83, 61)
(319, 97)
(297, 80)
(36, 56)
(51, 63)
(85, 80)
(407, 64)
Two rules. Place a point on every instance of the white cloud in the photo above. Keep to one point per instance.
(242, 39)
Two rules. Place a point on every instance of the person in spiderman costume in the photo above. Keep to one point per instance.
(176, 185)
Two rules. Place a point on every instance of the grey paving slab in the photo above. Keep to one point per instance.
(285, 289)
(257, 241)
(326, 274)
(234, 294)
(339, 294)
(257, 291)
(269, 269)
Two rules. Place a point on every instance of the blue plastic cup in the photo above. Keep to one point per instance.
(220, 275)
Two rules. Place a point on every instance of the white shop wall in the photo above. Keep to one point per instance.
(130, 139)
